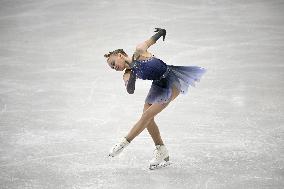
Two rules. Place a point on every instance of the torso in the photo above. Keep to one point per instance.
(147, 67)
(142, 56)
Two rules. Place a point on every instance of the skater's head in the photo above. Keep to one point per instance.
(117, 60)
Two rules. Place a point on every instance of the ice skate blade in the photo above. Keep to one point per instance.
(160, 165)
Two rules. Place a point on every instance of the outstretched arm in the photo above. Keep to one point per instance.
(142, 47)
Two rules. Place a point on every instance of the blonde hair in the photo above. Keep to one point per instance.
(115, 52)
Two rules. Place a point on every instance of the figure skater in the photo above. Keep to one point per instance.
(168, 81)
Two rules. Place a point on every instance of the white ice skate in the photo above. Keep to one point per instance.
(118, 147)
(161, 158)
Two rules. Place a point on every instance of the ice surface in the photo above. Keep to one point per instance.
(62, 108)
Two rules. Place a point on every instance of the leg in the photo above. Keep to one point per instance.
(153, 128)
(148, 115)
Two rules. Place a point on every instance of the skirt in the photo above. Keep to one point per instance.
(180, 76)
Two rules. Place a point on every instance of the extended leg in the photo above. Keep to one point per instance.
(145, 119)
(149, 114)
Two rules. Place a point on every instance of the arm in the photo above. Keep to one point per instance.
(129, 78)
(142, 47)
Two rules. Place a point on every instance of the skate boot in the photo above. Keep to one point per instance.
(161, 158)
(118, 147)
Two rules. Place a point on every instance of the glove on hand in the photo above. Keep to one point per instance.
(161, 32)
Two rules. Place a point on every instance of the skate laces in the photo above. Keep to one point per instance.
(158, 152)
(121, 144)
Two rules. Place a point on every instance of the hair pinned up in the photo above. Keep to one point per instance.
(115, 52)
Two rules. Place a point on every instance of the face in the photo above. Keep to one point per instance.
(116, 62)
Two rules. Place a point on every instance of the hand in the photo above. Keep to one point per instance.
(162, 31)
(126, 76)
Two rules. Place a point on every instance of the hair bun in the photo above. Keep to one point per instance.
(115, 52)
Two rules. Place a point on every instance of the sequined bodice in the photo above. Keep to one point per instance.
(150, 69)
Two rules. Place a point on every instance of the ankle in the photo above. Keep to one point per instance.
(160, 144)
(128, 140)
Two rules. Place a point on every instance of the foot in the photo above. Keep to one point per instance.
(117, 148)
(161, 157)
(160, 165)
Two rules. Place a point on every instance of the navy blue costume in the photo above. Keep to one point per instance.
(164, 77)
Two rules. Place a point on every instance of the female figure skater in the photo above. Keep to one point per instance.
(168, 82)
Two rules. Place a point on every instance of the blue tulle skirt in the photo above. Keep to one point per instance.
(179, 76)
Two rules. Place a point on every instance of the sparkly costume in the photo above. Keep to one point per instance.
(164, 77)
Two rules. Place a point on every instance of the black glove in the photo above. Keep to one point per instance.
(130, 85)
(161, 32)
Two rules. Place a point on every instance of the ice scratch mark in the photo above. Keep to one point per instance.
(4, 108)
(19, 163)
(206, 184)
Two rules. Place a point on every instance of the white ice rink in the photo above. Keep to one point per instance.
(62, 108)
